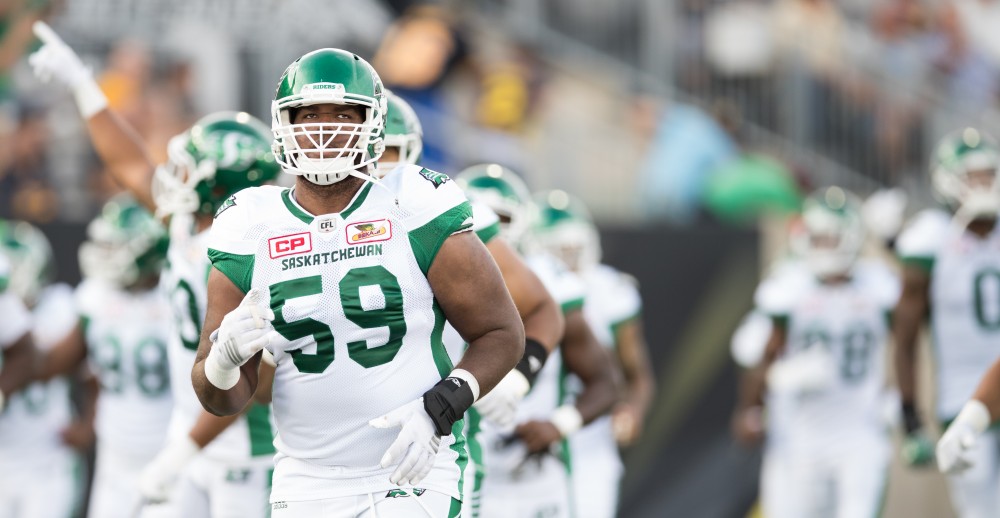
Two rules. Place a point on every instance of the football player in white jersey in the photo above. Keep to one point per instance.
(524, 471)
(39, 469)
(952, 278)
(224, 464)
(540, 314)
(122, 334)
(830, 324)
(612, 308)
(348, 281)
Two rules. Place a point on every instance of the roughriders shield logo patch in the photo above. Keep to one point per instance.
(369, 231)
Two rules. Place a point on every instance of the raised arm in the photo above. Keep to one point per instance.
(117, 144)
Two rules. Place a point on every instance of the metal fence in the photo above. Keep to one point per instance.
(840, 101)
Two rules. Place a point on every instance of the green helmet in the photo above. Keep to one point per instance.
(403, 131)
(29, 254)
(504, 192)
(125, 244)
(328, 76)
(218, 156)
(565, 229)
(956, 156)
(832, 232)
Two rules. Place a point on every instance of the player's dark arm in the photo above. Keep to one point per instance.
(585, 357)
(633, 355)
(988, 390)
(124, 154)
(540, 314)
(80, 433)
(20, 363)
(907, 320)
(468, 286)
(65, 357)
(223, 297)
(747, 424)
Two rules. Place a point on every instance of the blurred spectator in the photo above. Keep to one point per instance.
(125, 80)
(688, 145)
(968, 55)
(416, 55)
(817, 22)
(25, 189)
(16, 18)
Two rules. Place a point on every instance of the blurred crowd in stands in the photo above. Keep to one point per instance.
(863, 84)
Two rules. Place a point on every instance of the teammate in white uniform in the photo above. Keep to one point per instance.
(524, 471)
(952, 277)
(830, 326)
(612, 308)
(348, 281)
(39, 470)
(122, 334)
(540, 314)
(221, 154)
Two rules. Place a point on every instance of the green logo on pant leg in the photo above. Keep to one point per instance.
(238, 476)
(402, 493)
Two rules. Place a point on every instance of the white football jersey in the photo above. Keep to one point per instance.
(184, 280)
(964, 302)
(361, 325)
(612, 300)
(503, 458)
(16, 318)
(126, 335)
(33, 419)
(849, 324)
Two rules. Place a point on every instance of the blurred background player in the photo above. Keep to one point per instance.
(830, 323)
(612, 307)
(219, 155)
(951, 278)
(122, 335)
(39, 469)
(540, 314)
(525, 471)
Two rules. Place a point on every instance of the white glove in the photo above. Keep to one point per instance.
(416, 446)
(56, 59)
(157, 479)
(961, 436)
(243, 332)
(808, 372)
(500, 405)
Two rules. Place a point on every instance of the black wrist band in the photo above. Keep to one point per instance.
(446, 403)
(911, 419)
(533, 360)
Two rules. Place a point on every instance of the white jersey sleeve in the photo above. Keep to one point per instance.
(436, 209)
(486, 223)
(231, 248)
(16, 318)
(920, 241)
(777, 296)
(880, 282)
(750, 339)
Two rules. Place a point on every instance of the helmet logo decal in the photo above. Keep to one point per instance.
(323, 86)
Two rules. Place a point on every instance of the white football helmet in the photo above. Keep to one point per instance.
(832, 234)
(328, 76)
(403, 132)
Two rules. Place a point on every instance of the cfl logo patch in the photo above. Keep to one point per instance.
(291, 244)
